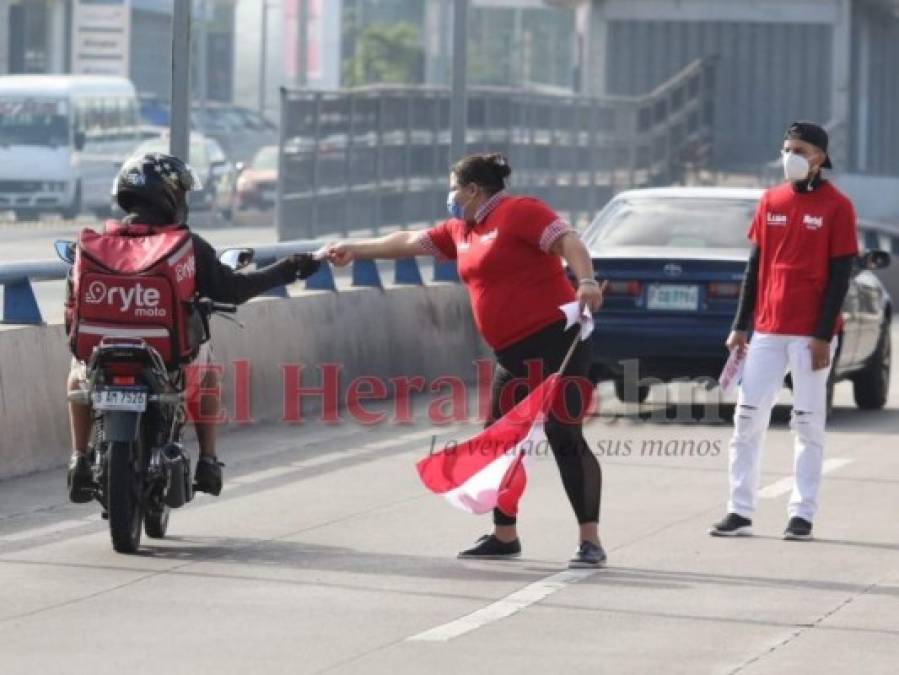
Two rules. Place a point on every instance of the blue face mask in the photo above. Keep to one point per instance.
(454, 208)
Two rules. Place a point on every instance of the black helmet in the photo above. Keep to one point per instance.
(156, 184)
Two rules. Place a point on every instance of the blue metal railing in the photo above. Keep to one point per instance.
(20, 304)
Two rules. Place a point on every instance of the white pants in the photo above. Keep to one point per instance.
(767, 362)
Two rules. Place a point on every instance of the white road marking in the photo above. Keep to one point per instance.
(785, 485)
(504, 608)
(265, 474)
(34, 532)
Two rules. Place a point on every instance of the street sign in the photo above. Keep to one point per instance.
(101, 31)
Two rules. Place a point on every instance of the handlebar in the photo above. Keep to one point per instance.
(210, 307)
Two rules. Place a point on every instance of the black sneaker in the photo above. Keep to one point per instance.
(489, 547)
(733, 525)
(80, 479)
(208, 477)
(588, 555)
(798, 529)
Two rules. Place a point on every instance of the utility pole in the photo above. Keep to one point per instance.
(179, 122)
(459, 93)
(263, 56)
(202, 61)
(303, 43)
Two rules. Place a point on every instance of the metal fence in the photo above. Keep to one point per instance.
(20, 304)
(364, 159)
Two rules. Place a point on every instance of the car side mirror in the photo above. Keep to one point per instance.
(237, 258)
(240, 167)
(80, 140)
(874, 260)
(65, 250)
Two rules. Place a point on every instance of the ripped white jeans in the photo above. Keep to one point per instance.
(769, 358)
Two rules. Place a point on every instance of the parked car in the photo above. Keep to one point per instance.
(257, 185)
(240, 131)
(674, 259)
(218, 173)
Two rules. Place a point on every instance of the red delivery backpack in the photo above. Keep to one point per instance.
(135, 282)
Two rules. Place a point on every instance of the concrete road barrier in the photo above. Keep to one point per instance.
(406, 331)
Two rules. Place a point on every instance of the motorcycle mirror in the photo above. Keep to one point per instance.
(237, 258)
(65, 250)
(875, 260)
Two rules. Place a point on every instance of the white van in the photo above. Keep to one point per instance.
(62, 139)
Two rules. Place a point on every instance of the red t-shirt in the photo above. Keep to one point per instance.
(798, 233)
(515, 284)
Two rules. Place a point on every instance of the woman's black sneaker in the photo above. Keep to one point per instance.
(80, 480)
(733, 525)
(208, 477)
(798, 529)
(588, 555)
(489, 547)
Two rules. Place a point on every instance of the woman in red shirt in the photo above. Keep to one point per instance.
(508, 252)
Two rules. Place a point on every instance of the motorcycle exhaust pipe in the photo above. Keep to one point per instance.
(177, 471)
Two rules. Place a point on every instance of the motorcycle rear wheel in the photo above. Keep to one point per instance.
(124, 496)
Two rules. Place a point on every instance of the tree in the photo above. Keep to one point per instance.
(386, 53)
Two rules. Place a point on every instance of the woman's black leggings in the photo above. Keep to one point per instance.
(579, 467)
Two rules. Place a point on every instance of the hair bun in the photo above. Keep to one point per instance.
(500, 165)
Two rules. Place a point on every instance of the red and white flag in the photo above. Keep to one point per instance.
(488, 471)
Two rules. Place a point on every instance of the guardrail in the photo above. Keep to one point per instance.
(20, 304)
(372, 157)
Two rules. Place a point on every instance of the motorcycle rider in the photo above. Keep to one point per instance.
(152, 190)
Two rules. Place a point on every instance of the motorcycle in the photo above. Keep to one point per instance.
(141, 470)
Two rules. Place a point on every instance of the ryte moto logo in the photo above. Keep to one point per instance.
(136, 300)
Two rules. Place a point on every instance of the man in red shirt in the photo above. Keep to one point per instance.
(804, 242)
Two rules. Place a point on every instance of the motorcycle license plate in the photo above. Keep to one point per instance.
(121, 400)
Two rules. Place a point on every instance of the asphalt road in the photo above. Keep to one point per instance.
(324, 554)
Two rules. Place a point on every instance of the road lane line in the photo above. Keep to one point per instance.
(785, 485)
(504, 608)
(34, 532)
(265, 474)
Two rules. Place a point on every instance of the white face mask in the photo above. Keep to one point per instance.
(796, 167)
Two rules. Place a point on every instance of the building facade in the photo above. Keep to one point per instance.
(126, 37)
(777, 60)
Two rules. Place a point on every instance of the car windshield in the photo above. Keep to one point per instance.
(672, 222)
(33, 122)
(266, 159)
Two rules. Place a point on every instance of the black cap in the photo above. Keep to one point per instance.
(810, 133)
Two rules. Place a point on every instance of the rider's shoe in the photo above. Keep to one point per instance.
(80, 479)
(208, 477)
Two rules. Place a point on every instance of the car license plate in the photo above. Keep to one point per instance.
(121, 400)
(673, 297)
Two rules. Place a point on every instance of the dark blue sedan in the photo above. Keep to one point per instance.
(674, 259)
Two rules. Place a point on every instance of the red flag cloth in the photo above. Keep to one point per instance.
(488, 471)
